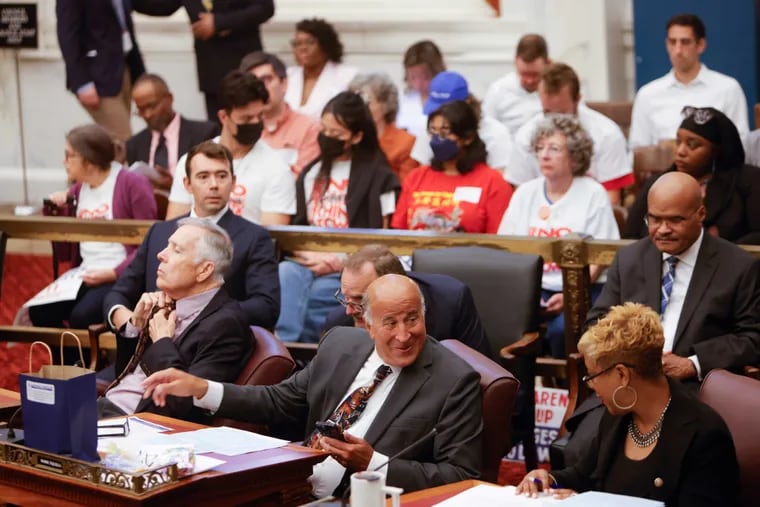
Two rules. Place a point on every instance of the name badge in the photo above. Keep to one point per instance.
(468, 194)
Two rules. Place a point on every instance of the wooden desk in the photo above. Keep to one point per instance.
(432, 496)
(267, 478)
(9, 402)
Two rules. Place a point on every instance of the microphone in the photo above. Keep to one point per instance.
(10, 434)
(424, 438)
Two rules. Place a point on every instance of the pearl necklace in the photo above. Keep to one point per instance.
(647, 439)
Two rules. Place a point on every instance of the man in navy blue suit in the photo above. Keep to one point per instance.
(252, 277)
(450, 309)
(102, 59)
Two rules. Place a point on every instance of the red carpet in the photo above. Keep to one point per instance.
(25, 275)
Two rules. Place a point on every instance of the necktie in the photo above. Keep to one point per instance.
(349, 411)
(161, 155)
(667, 283)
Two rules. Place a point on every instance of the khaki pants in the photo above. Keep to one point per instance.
(114, 112)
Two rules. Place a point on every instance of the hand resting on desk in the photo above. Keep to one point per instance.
(173, 382)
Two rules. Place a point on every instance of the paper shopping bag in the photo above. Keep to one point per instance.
(59, 406)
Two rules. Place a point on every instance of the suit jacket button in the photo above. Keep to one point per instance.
(658, 482)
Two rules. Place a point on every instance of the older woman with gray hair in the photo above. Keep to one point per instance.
(381, 95)
(563, 200)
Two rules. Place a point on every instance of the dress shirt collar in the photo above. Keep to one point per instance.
(213, 218)
(282, 120)
(190, 307)
(172, 129)
(701, 77)
(375, 361)
(688, 256)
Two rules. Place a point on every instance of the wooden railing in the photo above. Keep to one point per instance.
(572, 254)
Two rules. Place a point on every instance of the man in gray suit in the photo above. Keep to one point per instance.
(427, 387)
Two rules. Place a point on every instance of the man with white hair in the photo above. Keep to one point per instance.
(190, 324)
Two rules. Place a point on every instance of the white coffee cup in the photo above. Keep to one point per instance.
(368, 489)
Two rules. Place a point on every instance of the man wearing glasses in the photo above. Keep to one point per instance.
(707, 290)
(168, 135)
(451, 312)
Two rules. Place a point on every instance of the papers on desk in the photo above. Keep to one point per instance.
(229, 441)
(485, 494)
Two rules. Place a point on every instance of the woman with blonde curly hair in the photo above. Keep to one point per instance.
(563, 200)
(656, 440)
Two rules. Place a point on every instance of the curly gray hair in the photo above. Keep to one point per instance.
(381, 86)
(579, 143)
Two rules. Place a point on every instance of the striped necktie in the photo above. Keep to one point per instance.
(667, 283)
(352, 407)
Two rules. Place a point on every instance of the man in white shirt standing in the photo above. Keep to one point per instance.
(559, 91)
(513, 99)
(658, 104)
(264, 191)
(413, 385)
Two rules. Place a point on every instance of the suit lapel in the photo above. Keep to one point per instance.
(340, 380)
(704, 269)
(411, 379)
(229, 223)
(652, 267)
(183, 141)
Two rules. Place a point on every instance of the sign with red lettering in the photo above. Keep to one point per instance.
(551, 405)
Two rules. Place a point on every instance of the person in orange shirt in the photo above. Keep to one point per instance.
(381, 95)
(292, 134)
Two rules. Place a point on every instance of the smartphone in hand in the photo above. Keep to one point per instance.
(330, 429)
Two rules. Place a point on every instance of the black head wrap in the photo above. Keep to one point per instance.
(717, 128)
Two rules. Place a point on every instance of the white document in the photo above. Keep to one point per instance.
(485, 494)
(65, 288)
(228, 441)
(599, 499)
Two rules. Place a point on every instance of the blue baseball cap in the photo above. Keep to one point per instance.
(446, 86)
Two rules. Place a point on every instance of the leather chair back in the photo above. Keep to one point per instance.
(269, 364)
(506, 287)
(499, 389)
(737, 399)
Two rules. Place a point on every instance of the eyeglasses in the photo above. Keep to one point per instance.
(701, 115)
(553, 149)
(357, 307)
(676, 221)
(68, 155)
(296, 43)
(588, 378)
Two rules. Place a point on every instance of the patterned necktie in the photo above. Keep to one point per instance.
(161, 155)
(667, 283)
(349, 411)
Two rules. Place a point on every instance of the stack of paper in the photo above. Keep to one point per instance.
(485, 494)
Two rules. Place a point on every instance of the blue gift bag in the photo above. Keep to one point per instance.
(59, 407)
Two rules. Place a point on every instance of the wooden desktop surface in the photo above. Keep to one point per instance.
(272, 477)
(9, 402)
(432, 496)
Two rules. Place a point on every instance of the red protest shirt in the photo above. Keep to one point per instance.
(472, 202)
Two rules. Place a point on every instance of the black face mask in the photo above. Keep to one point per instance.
(248, 133)
(331, 147)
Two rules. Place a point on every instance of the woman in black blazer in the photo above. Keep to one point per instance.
(656, 440)
(708, 147)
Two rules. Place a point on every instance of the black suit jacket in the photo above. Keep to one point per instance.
(237, 33)
(252, 278)
(191, 132)
(215, 346)
(439, 390)
(720, 319)
(698, 465)
(90, 39)
(450, 312)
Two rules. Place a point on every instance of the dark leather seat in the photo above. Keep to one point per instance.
(737, 399)
(270, 364)
(506, 288)
(499, 388)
